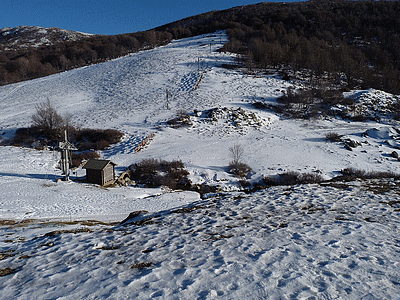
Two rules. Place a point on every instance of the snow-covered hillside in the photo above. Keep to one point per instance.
(35, 36)
(302, 242)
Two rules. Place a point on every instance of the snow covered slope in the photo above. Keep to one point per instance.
(129, 94)
(35, 36)
(303, 242)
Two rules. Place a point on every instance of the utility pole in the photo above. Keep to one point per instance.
(64, 148)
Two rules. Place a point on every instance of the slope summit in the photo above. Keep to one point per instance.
(35, 36)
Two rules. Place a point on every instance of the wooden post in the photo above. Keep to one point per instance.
(167, 99)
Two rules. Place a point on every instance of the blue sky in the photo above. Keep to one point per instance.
(107, 17)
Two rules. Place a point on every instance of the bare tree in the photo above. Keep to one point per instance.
(48, 120)
(236, 153)
(236, 166)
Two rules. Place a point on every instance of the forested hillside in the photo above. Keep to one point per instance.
(29, 63)
(356, 40)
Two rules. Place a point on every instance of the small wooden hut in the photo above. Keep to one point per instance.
(100, 171)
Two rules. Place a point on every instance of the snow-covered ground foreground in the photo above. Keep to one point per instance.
(39, 196)
(301, 242)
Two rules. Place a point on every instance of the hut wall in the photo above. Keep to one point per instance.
(94, 176)
(108, 174)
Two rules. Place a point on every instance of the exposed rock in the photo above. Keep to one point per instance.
(349, 144)
(133, 215)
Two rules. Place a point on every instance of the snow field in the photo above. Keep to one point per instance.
(288, 242)
(26, 195)
(335, 241)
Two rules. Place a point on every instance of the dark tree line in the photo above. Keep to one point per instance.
(31, 63)
(358, 39)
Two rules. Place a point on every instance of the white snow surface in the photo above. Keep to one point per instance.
(330, 241)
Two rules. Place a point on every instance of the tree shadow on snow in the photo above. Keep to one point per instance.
(33, 176)
(315, 140)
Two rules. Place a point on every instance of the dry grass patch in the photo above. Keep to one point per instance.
(7, 271)
(7, 222)
(58, 232)
(186, 209)
(5, 254)
(141, 265)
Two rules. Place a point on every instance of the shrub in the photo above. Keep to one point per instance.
(310, 103)
(351, 173)
(269, 181)
(305, 178)
(239, 169)
(153, 173)
(46, 129)
(101, 145)
(96, 139)
(48, 121)
(83, 139)
(292, 178)
(289, 178)
(48, 126)
(333, 137)
(182, 119)
(23, 137)
(236, 166)
(77, 158)
(244, 184)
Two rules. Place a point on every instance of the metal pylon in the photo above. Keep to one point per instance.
(64, 148)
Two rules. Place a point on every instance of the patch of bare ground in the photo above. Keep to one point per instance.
(5, 254)
(7, 271)
(58, 232)
(141, 265)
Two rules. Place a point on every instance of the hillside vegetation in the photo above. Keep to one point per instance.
(29, 63)
(357, 41)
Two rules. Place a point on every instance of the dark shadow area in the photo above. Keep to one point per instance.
(315, 140)
(33, 176)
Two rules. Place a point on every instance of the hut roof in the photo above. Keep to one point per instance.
(97, 164)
